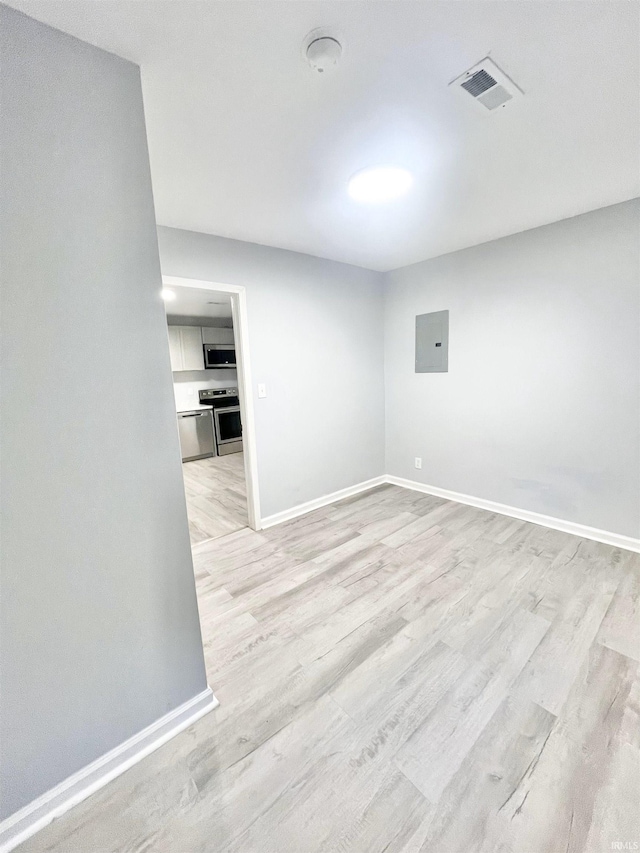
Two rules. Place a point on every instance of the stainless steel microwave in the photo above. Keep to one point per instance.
(219, 356)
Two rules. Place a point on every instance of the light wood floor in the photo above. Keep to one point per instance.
(396, 673)
(216, 495)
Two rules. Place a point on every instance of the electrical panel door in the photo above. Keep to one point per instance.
(432, 342)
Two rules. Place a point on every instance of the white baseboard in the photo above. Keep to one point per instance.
(616, 539)
(309, 506)
(605, 536)
(31, 818)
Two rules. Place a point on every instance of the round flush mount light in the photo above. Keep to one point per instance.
(379, 184)
(322, 50)
(167, 295)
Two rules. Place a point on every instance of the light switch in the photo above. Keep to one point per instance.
(262, 390)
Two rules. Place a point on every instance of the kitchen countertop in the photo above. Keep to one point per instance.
(197, 407)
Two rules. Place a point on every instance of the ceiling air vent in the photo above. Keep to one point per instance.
(487, 85)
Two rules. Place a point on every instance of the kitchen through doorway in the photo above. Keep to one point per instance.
(208, 334)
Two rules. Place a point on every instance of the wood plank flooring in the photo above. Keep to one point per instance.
(396, 673)
(216, 495)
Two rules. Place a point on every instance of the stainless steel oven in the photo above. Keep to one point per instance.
(228, 430)
(227, 422)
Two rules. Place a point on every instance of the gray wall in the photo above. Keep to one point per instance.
(100, 633)
(316, 341)
(540, 408)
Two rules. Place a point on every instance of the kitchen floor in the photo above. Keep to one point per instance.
(216, 495)
(400, 673)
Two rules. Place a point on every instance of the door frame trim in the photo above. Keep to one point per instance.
(245, 387)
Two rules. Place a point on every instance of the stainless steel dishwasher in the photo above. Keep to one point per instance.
(196, 435)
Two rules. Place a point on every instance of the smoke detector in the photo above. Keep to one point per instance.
(322, 50)
(486, 84)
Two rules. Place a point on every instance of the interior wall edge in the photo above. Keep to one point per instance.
(100, 632)
(471, 247)
(317, 503)
(37, 814)
(607, 537)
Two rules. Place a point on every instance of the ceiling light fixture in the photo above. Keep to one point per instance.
(167, 295)
(380, 184)
(322, 49)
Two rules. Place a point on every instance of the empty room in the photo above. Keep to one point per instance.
(320, 426)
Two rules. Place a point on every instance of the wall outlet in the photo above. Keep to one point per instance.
(418, 462)
(262, 390)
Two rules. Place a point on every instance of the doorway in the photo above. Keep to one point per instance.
(208, 342)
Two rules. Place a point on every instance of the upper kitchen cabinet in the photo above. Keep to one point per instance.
(175, 348)
(185, 348)
(212, 335)
(192, 355)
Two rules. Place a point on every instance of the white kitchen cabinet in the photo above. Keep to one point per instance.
(185, 348)
(175, 348)
(192, 355)
(211, 335)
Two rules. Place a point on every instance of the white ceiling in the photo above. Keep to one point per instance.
(247, 141)
(195, 302)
